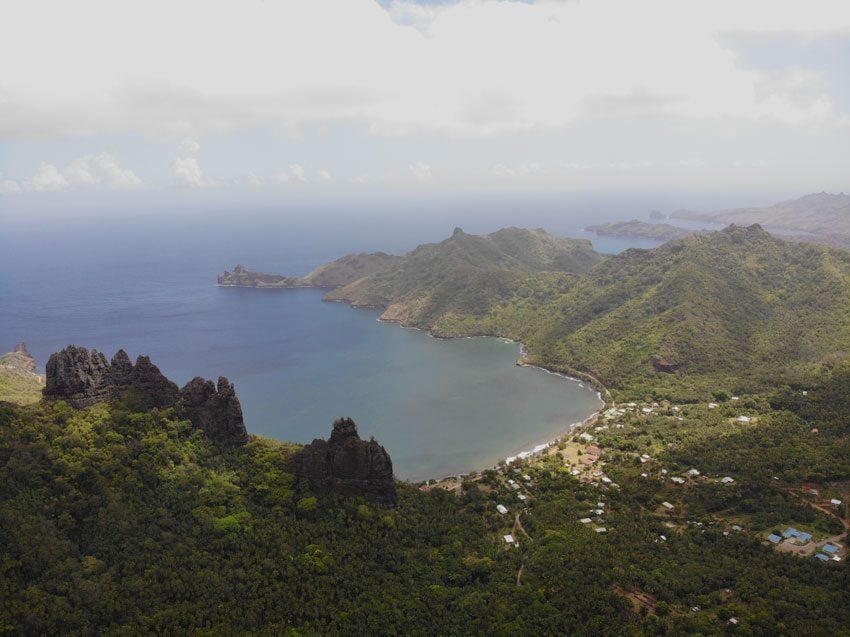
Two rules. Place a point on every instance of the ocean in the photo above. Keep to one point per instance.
(146, 282)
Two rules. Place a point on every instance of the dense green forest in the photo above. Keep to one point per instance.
(117, 521)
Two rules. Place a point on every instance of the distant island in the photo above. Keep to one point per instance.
(817, 218)
(640, 230)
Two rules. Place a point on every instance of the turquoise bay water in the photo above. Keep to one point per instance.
(147, 284)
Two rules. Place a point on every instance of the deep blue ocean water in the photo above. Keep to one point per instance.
(146, 282)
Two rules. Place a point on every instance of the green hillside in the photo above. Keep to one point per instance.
(466, 274)
(117, 521)
(726, 311)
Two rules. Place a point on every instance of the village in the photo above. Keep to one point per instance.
(622, 444)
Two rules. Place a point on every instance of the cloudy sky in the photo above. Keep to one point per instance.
(302, 97)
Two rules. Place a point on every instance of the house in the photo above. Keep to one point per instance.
(511, 481)
(509, 539)
(514, 486)
(522, 497)
(736, 398)
(834, 502)
(644, 475)
(585, 520)
(646, 410)
(830, 548)
(743, 419)
(678, 480)
(599, 511)
(588, 460)
(667, 506)
(601, 529)
(800, 536)
(727, 480)
(601, 505)
(526, 477)
(733, 621)
(775, 539)
(575, 472)
(737, 527)
(501, 509)
(606, 479)
(712, 405)
(693, 473)
(663, 538)
(586, 437)
(823, 557)
(592, 450)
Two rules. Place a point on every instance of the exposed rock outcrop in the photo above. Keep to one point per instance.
(664, 365)
(215, 411)
(347, 465)
(151, 384)
(24, 358)
(78, 376)
(82, 378)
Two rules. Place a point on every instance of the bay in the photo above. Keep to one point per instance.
(146, 283)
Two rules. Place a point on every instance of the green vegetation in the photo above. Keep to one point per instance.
(641, 230)
(18, 383)
(466, 274)
(734, 311)
(116, 521)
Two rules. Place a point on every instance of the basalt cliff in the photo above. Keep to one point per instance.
(347, 465)
(83, 377)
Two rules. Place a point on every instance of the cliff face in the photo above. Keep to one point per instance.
(215, 411)
(347, 465)
(78, 376)
(82, 378)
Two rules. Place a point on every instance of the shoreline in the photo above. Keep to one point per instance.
(534, 449)
(521, 361)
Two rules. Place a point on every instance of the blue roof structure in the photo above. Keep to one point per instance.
(800, 535)
(830, 548)
(823, 557)
(774, 538)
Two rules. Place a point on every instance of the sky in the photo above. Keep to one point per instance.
(310, 99)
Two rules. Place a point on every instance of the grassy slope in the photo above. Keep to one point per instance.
(466, 274)
(17, 384)
(736, 309)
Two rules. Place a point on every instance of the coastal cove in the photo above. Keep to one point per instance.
(440, 407)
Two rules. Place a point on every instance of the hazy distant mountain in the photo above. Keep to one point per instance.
(822, 214)
(641, 230)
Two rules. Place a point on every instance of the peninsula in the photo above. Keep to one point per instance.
(640, 230)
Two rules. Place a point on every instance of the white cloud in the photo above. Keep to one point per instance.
(115, 175)
(186, 167)
(420, 171)
(297, 172)
(293, 173)
(87, 172)
(79, 173)
(9, 186)
(468, 68)
(49, 179)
